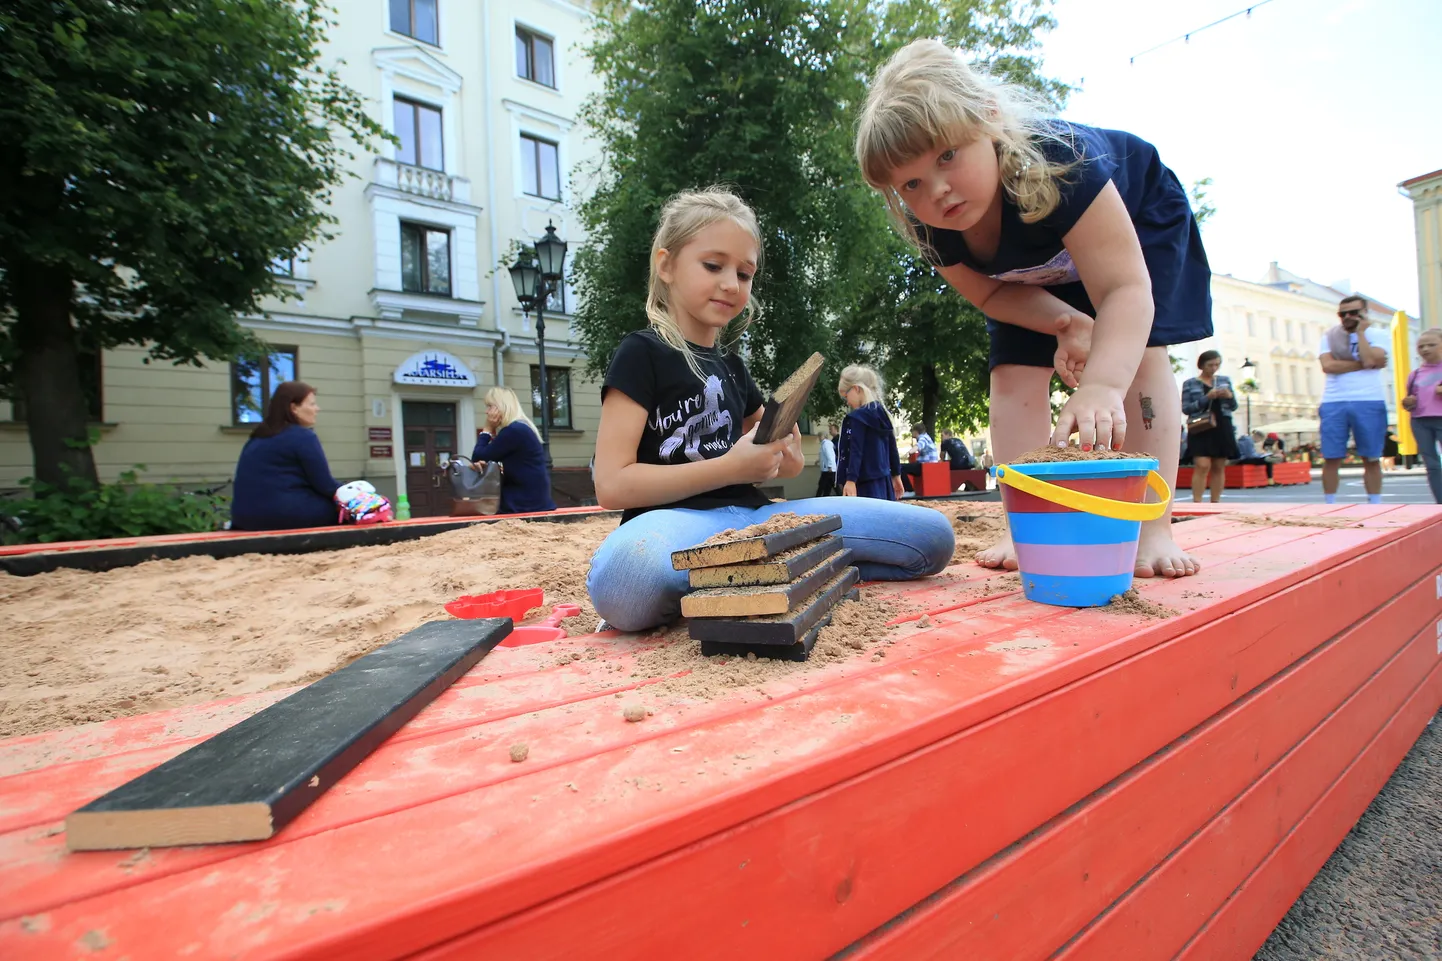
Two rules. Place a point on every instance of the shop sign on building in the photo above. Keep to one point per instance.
(434, 368)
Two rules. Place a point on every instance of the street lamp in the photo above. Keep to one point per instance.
(534, 280)
(1250, 365)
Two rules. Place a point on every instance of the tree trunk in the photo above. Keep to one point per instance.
(930, 397)
(47, 371)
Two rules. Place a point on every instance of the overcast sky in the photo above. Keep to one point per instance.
(1305, 115)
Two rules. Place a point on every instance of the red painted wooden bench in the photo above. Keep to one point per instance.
(1014, 781)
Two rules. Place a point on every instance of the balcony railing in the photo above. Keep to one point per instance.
(422, 181)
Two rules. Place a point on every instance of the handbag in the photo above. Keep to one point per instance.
(480, 487)
(1196, 423)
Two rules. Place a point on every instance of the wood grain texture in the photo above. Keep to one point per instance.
(781, 569)
(248, 782)
(753, 548)
(799, 651)
(784, 408)
(763, 599)
(788, 628)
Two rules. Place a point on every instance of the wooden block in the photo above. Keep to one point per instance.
(766, 598)
(753, 548)
(788, 628)
(781, 569)
(784, 408)
(799, 651)
(248, 782)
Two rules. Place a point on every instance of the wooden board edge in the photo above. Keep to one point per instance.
(770, 599)
(780, 628)
(753, 548)
(775, 571)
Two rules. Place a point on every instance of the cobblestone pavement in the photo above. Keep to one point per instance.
(1379, 897)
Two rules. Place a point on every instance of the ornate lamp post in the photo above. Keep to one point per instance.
(534, 281)
(1249, 386)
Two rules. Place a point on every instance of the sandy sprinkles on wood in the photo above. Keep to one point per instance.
(774, 524)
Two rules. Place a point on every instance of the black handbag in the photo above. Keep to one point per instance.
(479, 487)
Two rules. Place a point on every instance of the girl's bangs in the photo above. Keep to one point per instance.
(904, 130)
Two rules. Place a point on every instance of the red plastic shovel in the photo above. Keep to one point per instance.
(547, 630)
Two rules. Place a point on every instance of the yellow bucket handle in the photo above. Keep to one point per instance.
(1091, 503)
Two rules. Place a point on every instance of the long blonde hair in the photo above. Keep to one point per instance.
(926, 96)
(683, 217)
(509, 405)
(867, 379)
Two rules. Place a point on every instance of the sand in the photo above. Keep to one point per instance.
(774, 524)
(85, 647)
(1052, 454)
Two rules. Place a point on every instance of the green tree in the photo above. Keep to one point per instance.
(159, 155)
(1202, 209)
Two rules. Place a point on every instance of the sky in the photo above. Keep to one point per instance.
(1306, 115)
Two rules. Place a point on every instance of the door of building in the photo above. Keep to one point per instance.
(430, 443)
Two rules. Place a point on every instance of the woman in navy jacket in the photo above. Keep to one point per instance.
(512, 439)
(282, 480)
(868, 464)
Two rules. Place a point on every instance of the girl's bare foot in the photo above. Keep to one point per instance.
(1158, 554)
(1000, 556)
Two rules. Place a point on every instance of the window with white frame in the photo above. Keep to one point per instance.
(540, 168)
(535, 57)
(416, 18)
(425, 259)
(418, 127)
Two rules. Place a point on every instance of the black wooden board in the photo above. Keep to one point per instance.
(788, 628)
(766, 598)
(96, 559)
(753, 548)
(799, 651)
(781, 569)
(783, 410)
(249, 781)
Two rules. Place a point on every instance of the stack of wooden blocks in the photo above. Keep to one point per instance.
(769, 595)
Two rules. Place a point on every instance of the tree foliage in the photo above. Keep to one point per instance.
(160, 154)
(763, 95)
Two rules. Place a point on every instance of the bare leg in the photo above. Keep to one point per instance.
(1201, 470)
(1020, 421)
(1155, 388)
(1219, 478)
(1329, 475)
(1372, 476)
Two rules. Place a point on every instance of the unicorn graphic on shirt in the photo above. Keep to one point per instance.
(706, 423)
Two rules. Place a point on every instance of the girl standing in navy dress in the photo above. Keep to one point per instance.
(869, 464)
(1077, 244)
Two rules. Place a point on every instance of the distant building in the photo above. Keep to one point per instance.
(1425, 193)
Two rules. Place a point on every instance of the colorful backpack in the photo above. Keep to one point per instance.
(360, 504)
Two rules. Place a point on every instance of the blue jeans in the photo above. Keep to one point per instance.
(633, 586)
(1365, 420)
(1428, 431)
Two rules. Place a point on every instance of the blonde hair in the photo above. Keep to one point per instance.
(925, 97)
(506, 401)
(683, 217)
(1434, 332)
(866, 378)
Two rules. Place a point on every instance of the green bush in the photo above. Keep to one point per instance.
(127, 508)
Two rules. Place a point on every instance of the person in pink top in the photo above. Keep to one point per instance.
(1424, 400)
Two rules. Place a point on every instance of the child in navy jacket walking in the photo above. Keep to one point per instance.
(869, 464)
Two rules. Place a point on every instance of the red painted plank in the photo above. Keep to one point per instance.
(1031, 899)
(1243, 923)
(891, 713)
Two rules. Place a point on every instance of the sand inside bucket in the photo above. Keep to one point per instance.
(1052, 454)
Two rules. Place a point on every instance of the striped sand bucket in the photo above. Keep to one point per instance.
(1075, 525)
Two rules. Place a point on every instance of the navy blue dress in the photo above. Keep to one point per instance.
(525, 483)
(868, 453)
(283, 482)
(1034, 253)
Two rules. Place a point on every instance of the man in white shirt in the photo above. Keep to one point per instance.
(1355, 401)
(827, 463)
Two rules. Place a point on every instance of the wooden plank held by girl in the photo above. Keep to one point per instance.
(1077, 244)
(675, 451)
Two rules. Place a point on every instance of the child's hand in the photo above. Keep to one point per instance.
(1073, 345)
(848, 489)
(1410, 401)
(793, 460)
(753, 463)
(1097, 414)
(897, 486)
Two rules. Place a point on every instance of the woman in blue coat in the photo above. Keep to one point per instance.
(512, 439)
(868, 464)
(283, 480)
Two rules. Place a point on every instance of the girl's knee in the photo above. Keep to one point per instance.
(629, 587)
(936, 540)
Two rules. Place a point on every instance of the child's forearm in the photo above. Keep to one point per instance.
(646, 485)
(1124, 320)
(1022, 305)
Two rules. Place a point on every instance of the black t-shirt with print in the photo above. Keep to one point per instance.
(686, 420)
